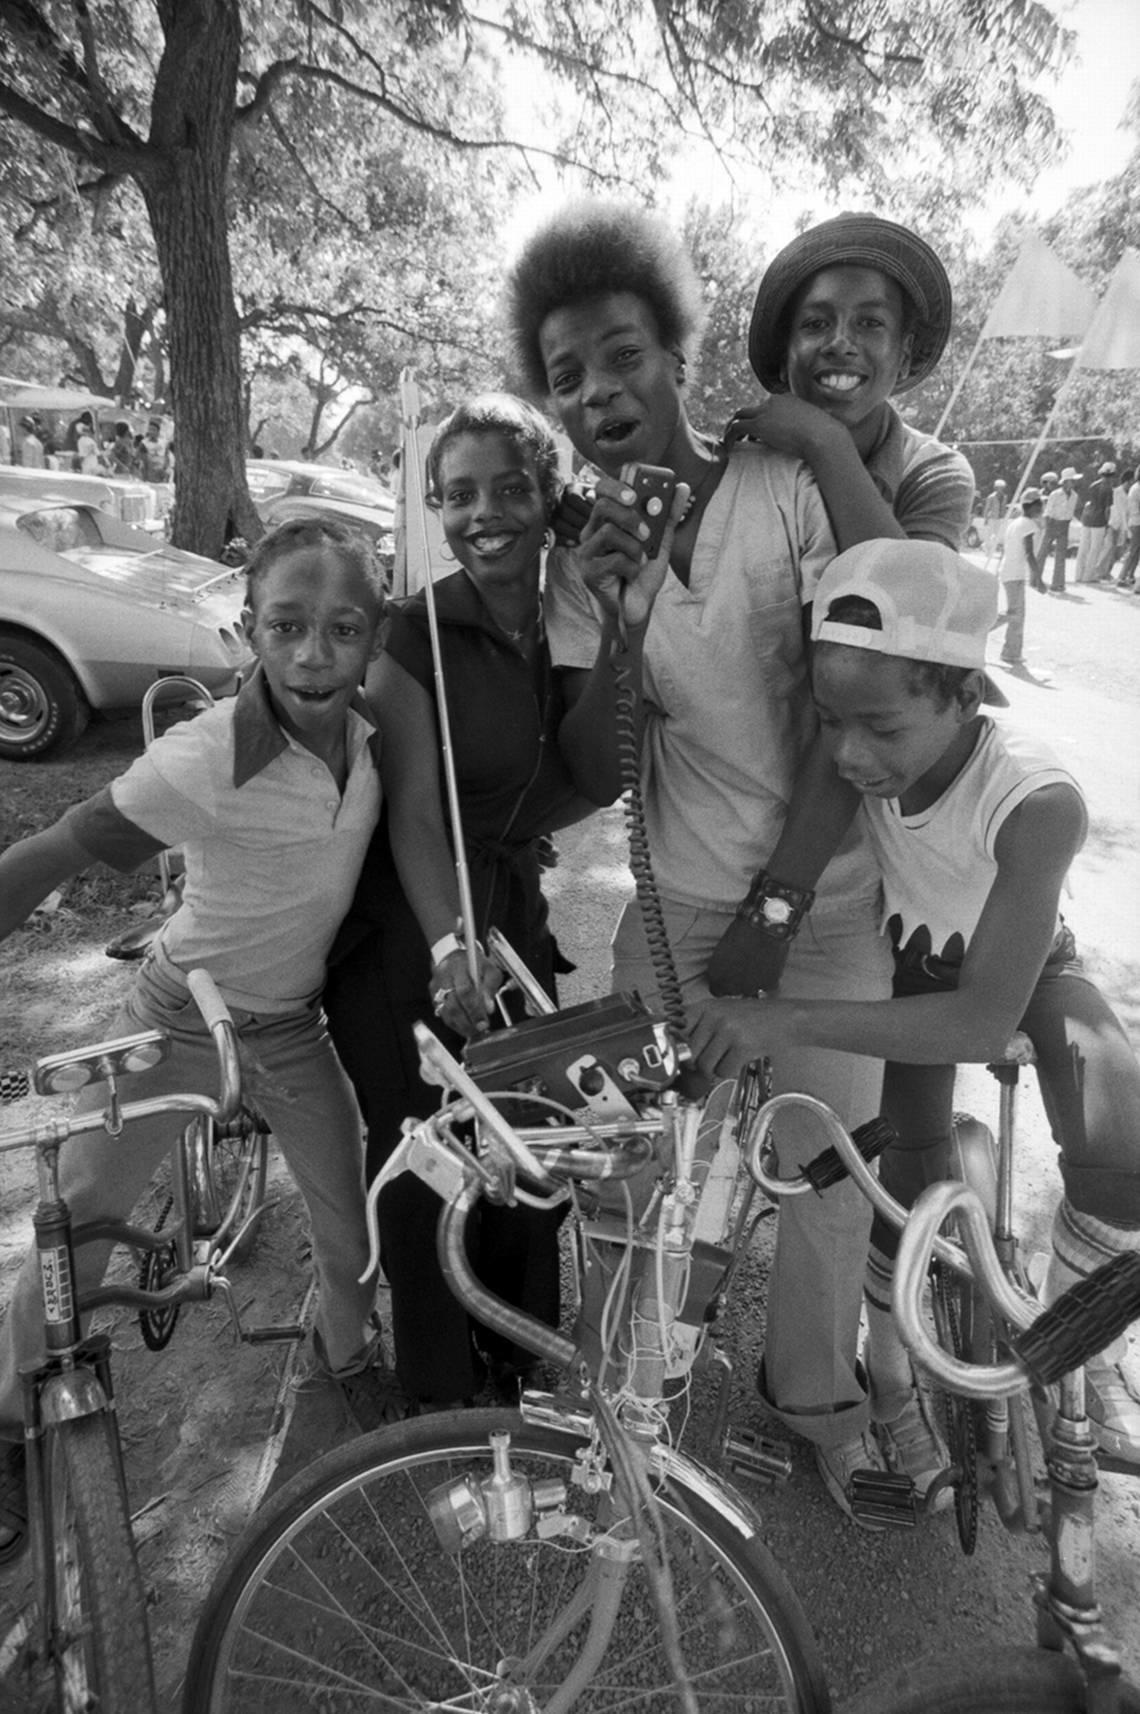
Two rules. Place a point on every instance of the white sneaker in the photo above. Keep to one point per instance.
(837, 1465)
(912, 1446)
(1112, 1400)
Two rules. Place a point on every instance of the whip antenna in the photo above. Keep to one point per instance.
(412, 473)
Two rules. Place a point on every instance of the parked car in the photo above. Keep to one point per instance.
(131, 502)
(92, 612)
(284, 488)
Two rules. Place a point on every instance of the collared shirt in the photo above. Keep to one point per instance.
(1061, 505)
(272, 847)
(928, 486)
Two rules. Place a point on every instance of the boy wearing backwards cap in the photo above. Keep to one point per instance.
(975, 828)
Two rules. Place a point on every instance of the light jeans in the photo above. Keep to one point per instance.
(815, 1291)
(290, 1071)
(1013, 649)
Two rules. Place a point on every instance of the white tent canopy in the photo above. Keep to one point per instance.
(18, 395)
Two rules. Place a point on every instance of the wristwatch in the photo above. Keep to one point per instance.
(775, 913)
(776, 908)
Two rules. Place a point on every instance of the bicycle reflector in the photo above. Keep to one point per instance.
(66, 1073)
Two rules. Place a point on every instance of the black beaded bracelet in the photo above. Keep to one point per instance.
(776, 908)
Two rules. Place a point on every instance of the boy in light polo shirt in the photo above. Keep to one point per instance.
(272, 797)
(974, 826)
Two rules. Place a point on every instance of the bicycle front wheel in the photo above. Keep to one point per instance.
(99, 1640)
(994, 1681)
(347, 1592)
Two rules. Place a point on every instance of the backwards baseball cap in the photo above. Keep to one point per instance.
(934, 605)
(1107, 468)
(1031, 497)
(857, 241)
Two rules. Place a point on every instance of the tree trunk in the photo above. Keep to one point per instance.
(185, 194)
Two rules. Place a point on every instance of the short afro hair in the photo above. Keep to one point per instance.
(517, 422)
(589, 249)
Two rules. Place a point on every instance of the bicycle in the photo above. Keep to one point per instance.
(228, 1163)
(1004, 1345)
(566, 1555)
(91, 1620)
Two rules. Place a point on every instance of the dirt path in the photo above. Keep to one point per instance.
(197, 1421)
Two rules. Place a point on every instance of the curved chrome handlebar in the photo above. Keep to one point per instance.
(918, 1242)
(220, 1108)
(757, 1154)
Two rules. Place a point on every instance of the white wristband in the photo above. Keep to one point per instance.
(444, 947)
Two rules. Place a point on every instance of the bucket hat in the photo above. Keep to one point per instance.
(858, 241)
(934, 605)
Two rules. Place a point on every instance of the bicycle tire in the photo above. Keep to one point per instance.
(100, 1641)
(237, 1162)
(340, 1592)
(947, 1293)
(993, 1681)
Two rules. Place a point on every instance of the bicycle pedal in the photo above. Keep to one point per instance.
(272, 1335)
(878, 1497)
(749, 1453)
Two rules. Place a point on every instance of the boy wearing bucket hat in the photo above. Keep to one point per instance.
(975, 827)
(850, 313)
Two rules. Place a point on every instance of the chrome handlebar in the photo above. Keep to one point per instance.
(920, 1240)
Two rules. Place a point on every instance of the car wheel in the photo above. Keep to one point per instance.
(41, 707)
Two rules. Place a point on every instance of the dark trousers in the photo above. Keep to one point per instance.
(377, 987)
(1090, 1086)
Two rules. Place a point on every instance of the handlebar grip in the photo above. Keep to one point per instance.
(870, 1139)
(207, 998)
(14, 1085)
(1083, 1321)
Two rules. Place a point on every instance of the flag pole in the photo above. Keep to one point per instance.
(958, 385)
(1062, 391)
(410, 411)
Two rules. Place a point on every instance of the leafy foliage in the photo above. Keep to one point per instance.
(325, 180)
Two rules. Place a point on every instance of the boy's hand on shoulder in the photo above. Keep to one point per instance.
(746, 961)
(784, 423)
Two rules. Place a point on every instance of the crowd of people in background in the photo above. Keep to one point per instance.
(89, 448)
